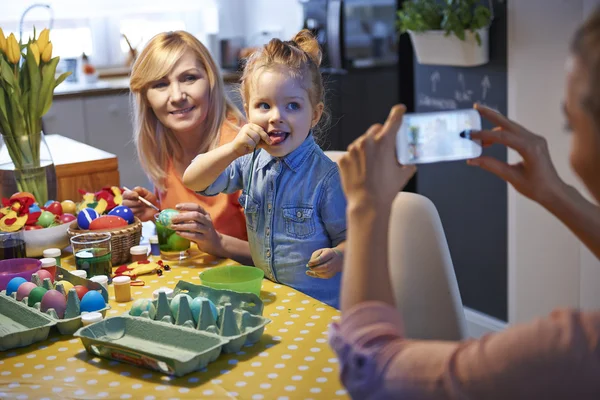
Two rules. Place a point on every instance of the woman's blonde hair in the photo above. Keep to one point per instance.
(157, 145)
(301, 55)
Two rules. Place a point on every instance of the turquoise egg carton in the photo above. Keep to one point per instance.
(71, 320)
(21, 325)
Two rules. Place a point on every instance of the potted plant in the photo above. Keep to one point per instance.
(452, 32)
(27, 82)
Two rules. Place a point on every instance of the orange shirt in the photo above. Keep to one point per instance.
(224, 209)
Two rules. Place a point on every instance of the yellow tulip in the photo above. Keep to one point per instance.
(47, 54)
(13, 51)
(2, 41)
(33, 47)
(43, 40)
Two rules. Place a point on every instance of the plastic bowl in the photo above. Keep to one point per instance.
(38, 240)
(15, 267)
(238, 278)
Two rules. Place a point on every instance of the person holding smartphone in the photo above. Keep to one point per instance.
(556, 357)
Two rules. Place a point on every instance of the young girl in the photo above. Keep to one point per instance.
(294, 204)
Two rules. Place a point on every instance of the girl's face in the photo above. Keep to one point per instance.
(281, 106)
(585, 143)
(180, 100)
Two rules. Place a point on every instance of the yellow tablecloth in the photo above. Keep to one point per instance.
(292, 360)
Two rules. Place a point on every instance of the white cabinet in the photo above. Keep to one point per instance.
(66, 118)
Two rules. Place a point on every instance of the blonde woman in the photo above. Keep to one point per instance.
(181, 111)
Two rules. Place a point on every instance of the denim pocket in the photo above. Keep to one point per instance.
(299, 221)
(251, 211)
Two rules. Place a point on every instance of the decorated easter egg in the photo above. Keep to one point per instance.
(43, 274)
(123, 212)
(46, 219)
(14, 284)
(177, 243)
(66, 285)
(35, 296)
(19, 195)
(85, 217)
(24, 290)
(92, 301)
(48, 203)
(69, 206)
(175, 303)
(54, 299)
(141, 305)
(66, 218)
(81, 291)
(34, 208)
(196, 306)
(107, 222)
(55, 208)
(166, 215)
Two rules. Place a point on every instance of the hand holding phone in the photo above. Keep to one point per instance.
(436, 136)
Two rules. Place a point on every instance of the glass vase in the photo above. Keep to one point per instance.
(26, 165)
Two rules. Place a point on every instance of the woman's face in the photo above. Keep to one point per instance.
(180, 100)
(585, 144)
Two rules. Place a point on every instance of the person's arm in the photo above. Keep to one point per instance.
(236, 249)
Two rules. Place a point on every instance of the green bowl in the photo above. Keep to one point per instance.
(238, 278)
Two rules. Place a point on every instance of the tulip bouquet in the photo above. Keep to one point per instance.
(27, 82)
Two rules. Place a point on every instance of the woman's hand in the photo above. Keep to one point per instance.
(248, 138)
(140, 210)
(195, 224)
(325, 263)
(535, 176)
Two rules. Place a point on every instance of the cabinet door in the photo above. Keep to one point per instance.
(109, 128)
(66, 118)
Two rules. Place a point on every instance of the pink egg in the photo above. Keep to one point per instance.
(24, 290)
(54, 299)
(43, 274)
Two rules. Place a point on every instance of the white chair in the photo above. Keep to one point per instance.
(335, 155)
(422, 273)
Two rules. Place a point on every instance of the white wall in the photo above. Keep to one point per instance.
(548, 267)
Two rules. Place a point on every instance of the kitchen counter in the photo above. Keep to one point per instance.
(108, 86)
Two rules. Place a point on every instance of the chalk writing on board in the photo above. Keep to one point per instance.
(434, 102)
(462, 93)
(435, 78)
(485, 86)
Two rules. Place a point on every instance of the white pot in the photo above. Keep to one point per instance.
(434, 48)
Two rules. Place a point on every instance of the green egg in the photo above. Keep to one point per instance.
(35, 296)
(177, 243)
(166, 216)
(45, 219)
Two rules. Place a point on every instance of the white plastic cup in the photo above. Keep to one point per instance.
(101, 279)
(90, 318)
(53, 253)
(168, 291)
(80, 273)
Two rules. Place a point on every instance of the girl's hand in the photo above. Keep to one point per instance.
(195, 224)
(535, 176)
(140, 210)
(248, 138)
(325, 263)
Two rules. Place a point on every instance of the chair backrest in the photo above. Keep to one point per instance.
(334, 155)
(422, 273)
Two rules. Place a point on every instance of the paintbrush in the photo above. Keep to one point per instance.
(146, 202)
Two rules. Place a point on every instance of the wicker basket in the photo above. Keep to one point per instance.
(122, 239)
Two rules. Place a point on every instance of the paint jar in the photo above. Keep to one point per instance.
(49, 264)
(122, 286)
(168, 292)
(154, 246)
(101, 279)
(90, 318)
(53, 253)
(80, 273)
(138, 253)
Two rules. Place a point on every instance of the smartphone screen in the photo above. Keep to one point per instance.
(434, 137)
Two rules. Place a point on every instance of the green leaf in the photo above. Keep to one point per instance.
(7, 73)
(35, 82)
(47, 87)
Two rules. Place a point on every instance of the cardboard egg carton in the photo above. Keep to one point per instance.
(71, 320)
(21, 325)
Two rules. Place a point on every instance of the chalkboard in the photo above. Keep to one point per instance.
(472, 203)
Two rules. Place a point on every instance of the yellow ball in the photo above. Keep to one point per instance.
(66, 285)
(68, 207)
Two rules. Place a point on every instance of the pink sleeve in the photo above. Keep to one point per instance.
(554, 357)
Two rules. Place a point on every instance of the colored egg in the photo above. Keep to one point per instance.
(175, 303)
(24, 290)
(54, 299)
(177, 243)
(43, 274)
(80, 290)
(48, 203)
(18, 195)
(66, 218)
(85, 217)
(34, 208)
(141, 305)
(166, 216)
(55, 208)
(123, 212)
(66, 285)
(196, 307)
(69, 206)
(107, 222)
(92, 301)
(14, 284)
(35, 296)
(46, 219)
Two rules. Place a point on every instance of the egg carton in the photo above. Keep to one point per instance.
(169, 349)
(239, 315)
(21, 325)
(71, 320)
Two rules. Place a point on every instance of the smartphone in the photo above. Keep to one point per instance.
(436, 136)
